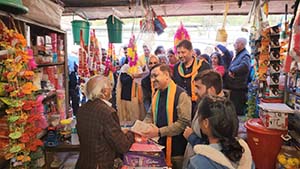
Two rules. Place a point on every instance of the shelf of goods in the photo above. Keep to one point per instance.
(48, 46)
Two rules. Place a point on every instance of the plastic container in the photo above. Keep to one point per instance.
(74, 135)
(114, 28)
(264, 143)
(275, 115)
(288, 158)
(78, 25)
(61, 108)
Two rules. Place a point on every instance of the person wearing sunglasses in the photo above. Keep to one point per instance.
(147, 86)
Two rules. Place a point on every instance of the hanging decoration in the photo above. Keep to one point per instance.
(83, 69)
(110, 59)
(221, 33)
(150, 24)
(266, 8)
(18, 95)
(181, 34)
(94, 54)
(147, 23)
(132, 55)
(295, 45)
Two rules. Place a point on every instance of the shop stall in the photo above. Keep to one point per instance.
(33, 79)
(36, 121)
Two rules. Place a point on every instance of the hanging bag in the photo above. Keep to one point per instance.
(162, 21)
(158, 27)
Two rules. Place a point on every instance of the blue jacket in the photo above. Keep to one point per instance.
(210, 157)
(240, 67)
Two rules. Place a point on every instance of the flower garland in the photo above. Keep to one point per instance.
(132, 55)
(109, 67)
(18, 96)
(94, 54)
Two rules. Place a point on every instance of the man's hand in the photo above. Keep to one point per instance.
(187, 132)
(152, 131)
(231, 74)
(125, 130)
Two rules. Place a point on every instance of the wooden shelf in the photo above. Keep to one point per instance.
(291, 92)
(29, 21)
(50, 64)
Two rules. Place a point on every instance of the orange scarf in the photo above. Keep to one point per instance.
(136, 91)
(169, 110)
(196, 65)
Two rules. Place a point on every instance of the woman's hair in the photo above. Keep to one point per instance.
(223, 123)
(163, 57)
(170, 51)
(206, 57)
(197, 51)
(95, 85)
(159, 50)
(220, 60)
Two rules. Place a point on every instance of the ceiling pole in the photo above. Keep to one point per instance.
(240, 2)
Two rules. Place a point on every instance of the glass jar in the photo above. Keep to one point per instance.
(288, 158)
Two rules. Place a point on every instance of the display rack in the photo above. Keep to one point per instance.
(41, 29)
(38, 29)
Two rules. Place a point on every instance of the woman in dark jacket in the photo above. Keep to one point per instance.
(226, 55)
(100, 134)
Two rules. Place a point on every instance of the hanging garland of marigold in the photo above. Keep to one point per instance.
(132, 55)
(19, 97)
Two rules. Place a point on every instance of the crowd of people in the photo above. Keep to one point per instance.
(181, 94)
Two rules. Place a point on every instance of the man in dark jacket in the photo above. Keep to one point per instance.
(236, 77)
(170, 114)
(186, 70)
(98, 126)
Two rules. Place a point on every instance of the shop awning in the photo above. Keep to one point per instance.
(101, 9)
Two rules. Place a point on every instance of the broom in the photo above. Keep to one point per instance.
(221, 33)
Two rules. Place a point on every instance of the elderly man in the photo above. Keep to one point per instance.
(171, 113)
(186, 70)
(100, 134)
(144, 59)
(147, 86)
(236, 77)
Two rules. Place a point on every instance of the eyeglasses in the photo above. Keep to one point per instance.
(152, 63)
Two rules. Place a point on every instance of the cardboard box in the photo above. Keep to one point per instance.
(275, 115)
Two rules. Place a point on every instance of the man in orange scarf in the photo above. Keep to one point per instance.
(171, 113)
(186, 70)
